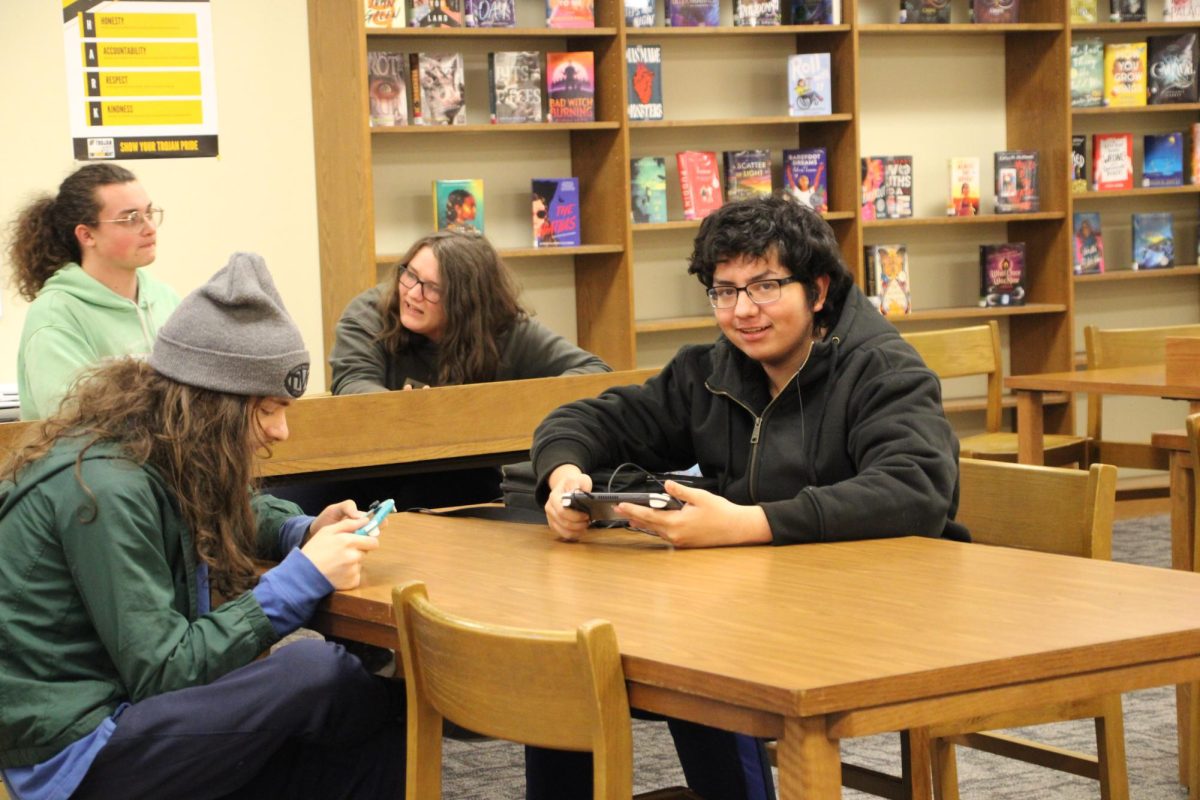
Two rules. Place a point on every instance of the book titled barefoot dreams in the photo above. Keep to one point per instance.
(804, 177)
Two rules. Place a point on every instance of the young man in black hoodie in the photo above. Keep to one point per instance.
(816, 420)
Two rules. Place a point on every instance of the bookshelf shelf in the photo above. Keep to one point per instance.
(1158, 109)
(387, 259)
(983, 219)
(955, 29)
(524, 127)
(490, 33)
(1160, 191)
(660, 32)
(738, 121)
(692, 224)
(1134, 27)
(1140, 275)
(971, 313)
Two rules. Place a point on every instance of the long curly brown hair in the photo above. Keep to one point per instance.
(201, 443)
(42, 237)
(480, 296)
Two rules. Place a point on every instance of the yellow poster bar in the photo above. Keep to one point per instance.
(139, 26)
(146, 112)
(141, 54)
(142, 84)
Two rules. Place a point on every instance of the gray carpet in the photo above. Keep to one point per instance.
(494, 770)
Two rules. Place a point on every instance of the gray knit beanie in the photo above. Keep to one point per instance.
(233, 335)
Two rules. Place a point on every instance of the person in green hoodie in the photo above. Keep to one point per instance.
(78, 258)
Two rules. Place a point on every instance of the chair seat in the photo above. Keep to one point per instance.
(1002, 446)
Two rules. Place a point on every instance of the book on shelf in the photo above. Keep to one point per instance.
(757, 13)
(383, 14)
(1112, 161)
(639, 13)
(1087, 72)
(964, 187)
(810, 85)
(994, 11)
(1127, 10)
(1180, 10)
(435, 13)
(1162, 159)
(1002, 275)
(491, 13)
(924, 12)
(1088, 255)
(747, 174)
(816, 12)
(387, 88)
(458, 205)
(888, 284)
(570, 14)
(898, 187)
(699, 183)
(556, 212)
(874, 204)
(1079, 179)
(439, 94)
(1195, 151)
(648, 183)
(692, 13)
(515, 83)
(1125, 74)
(804, 177)
(1017, 182)
(1083, 11)
(1172, 65)
(1153, 240)
(570, 86)
(643, 69)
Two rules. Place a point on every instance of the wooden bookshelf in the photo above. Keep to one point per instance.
(1173, 273)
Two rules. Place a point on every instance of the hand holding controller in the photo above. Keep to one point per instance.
(601, 506)
(380, 509)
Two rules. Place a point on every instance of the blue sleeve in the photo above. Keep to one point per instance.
(289, 592)
(291, 532)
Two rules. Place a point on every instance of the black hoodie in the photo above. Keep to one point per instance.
(855, 446)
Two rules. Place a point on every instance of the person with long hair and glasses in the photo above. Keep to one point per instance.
(132, 609)
(78, 257)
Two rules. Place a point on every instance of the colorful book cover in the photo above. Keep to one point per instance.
(874, 204)
(435, 13)
(810, 87)
(890, 290)
(1079, 180)
(1112, 161)
(754, 13)
(924, 12)
(964, 187)
(1195, 153)
(439, 94)
(699, 183)
(648, 181)
(804, 177)
(556, 212)
(458, 205)
(384, 13)
(639, 13)
(1017, 183)
(992, 11)
(1001, 274)
(387, 88)
(1127, 10)
(692, 13)
(1153, 240)
(1173, 63)
(747, 174)
(571, 86)
(1083, 11)
(491, 13)
(1180, 10)
(812, 12)
(898, 187)
(1162, 159)
(643, 70)
(1087, 73)
(515, 81)
(1125, 74)
(570, 14)
(1088, 255)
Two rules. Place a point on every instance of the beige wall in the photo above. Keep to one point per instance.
(258, 195)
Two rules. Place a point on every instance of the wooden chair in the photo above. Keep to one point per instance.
(1126, 347)
(975, 350)
(560, 689)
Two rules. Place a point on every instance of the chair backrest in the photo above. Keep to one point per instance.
(1050, 509)
(559, 689)
(1193, 431)
(959, 352)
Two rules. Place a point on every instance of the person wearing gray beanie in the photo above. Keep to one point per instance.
(132, 539)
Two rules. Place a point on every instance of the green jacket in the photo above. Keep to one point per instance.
(76, 322)
(100, 612)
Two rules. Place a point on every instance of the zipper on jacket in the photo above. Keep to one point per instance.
(145, 327)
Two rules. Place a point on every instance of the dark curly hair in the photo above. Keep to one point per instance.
(757, 228)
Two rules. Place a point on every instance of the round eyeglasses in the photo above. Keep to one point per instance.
(138, 220)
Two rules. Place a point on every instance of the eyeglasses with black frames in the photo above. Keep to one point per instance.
(138, 220)
(759, 292)
(429, 291)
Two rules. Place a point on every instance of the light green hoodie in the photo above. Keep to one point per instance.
(76, 322)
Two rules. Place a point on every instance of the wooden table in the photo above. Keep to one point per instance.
(811, 643)
(1144, 381)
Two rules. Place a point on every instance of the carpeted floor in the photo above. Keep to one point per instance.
(494, 770)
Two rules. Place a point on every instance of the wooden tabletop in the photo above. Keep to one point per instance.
(1148, 381)
(802, 630)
